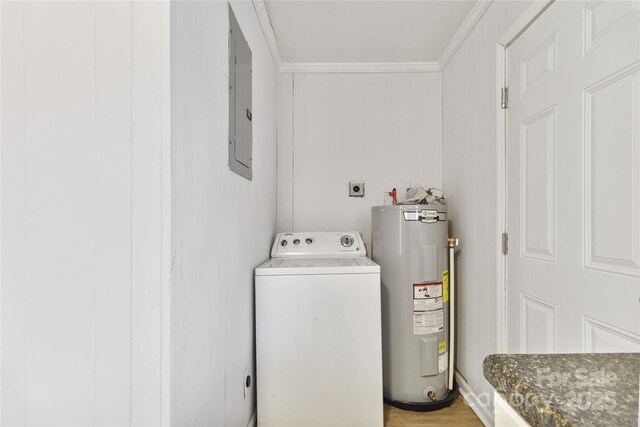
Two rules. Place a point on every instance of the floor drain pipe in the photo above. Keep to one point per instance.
(453, 242)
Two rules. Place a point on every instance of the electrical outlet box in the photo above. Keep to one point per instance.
(356, 189)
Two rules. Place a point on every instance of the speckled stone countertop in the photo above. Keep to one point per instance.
(568, 389)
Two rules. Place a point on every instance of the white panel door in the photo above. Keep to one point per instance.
(573, 180)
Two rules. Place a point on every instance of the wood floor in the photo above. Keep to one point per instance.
(459, 415)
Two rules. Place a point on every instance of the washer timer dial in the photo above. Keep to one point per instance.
(346, 241)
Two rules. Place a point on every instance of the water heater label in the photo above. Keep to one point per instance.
(428, 322)
(445, 285)
(443, 362)
(427, 304)
(427, 290)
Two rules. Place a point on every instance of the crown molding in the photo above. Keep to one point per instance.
(267, 30)
(465, 29)
(461, 34)
(360, 67)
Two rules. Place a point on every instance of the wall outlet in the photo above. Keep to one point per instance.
(247, 382)
(356, 189)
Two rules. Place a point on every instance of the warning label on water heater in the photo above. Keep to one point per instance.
(427, 304)
(445, 285)
(427, 290)
(428, 322)
(443, 362)
(428, 312)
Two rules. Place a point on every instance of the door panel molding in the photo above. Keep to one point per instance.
(538, 316)
(612, 229)
(539, 65)
(603, 20)
(600, 337)
(537, 164)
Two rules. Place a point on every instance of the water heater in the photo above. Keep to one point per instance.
(410, 245)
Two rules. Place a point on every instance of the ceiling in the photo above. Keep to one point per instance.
(365, 31)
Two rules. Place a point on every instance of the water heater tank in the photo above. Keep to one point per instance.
(410, 245)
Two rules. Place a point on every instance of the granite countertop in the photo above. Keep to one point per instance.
(568, 389)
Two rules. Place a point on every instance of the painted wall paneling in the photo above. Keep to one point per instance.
(84, 253)
(383, 129)
(223, 224)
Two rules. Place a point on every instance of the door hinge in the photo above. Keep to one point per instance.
(504, 97)
(505, 243)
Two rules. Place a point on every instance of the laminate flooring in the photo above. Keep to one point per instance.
(459, 415)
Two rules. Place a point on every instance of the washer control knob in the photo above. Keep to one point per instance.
(296, 242)
(346, 241)
(284, 243)
(309, 240)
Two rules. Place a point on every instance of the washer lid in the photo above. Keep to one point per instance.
(307, 266)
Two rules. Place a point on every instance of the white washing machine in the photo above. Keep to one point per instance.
(318, 333)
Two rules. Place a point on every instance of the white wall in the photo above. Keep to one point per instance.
(470, 182)
(382, 128)
(83, 253)
(223, 225)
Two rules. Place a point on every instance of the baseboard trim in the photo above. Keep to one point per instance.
(253, 421)
(482, 411)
